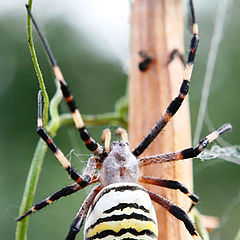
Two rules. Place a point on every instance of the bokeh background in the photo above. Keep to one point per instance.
(90, 42)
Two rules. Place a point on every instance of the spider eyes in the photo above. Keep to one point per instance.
(119, 143)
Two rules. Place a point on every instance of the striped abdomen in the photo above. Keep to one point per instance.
(121, 211)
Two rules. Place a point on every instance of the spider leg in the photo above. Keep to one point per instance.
(172, 185)
(186, 153)
(123, 133)
(176, 103)
(176, 212)
(68, 190)
(81, 215)
(88, 173)
(106, 138)
(90, 143)
(81, 180)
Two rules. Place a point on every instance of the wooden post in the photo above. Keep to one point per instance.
(157, 28)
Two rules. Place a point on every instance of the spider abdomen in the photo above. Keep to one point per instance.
(121, 211)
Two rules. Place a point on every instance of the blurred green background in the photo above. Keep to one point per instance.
(97, 80)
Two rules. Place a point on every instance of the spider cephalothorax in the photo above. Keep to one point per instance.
(120, 165)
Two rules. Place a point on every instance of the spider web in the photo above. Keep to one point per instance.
(222, 150)
(228, 153)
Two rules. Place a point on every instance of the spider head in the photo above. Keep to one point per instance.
(120, 165)
(120, 150)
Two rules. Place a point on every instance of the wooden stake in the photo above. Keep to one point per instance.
(157, 28)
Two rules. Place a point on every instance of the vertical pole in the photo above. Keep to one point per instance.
(157, 28)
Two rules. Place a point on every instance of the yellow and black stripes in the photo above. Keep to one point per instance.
(90, 143)
(124, 231)
(129, 214)
(122, 206)
(176, 103)
(172, 185)
(186, 153)
(176, 212)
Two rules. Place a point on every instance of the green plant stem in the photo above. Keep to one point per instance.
(54, 124)
(95, 120)
(30, 189)
(117, 118)
(36, 66)
(201, 229)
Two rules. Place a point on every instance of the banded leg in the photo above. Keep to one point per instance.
(81, 215)
(81, 180)
(172, 185)
(68, 190)
(176, 103)
(57, 152)
(90, 143)
(176, 212)
(186, 153)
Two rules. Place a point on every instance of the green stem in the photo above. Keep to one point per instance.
(54, 124)
(30, 189)
(36, 66)
(95, 120)
(201, 229)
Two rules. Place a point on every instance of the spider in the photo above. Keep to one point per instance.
(119, 207)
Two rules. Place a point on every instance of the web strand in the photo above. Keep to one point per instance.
(211, 63)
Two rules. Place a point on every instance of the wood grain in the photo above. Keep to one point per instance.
(157, 28)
